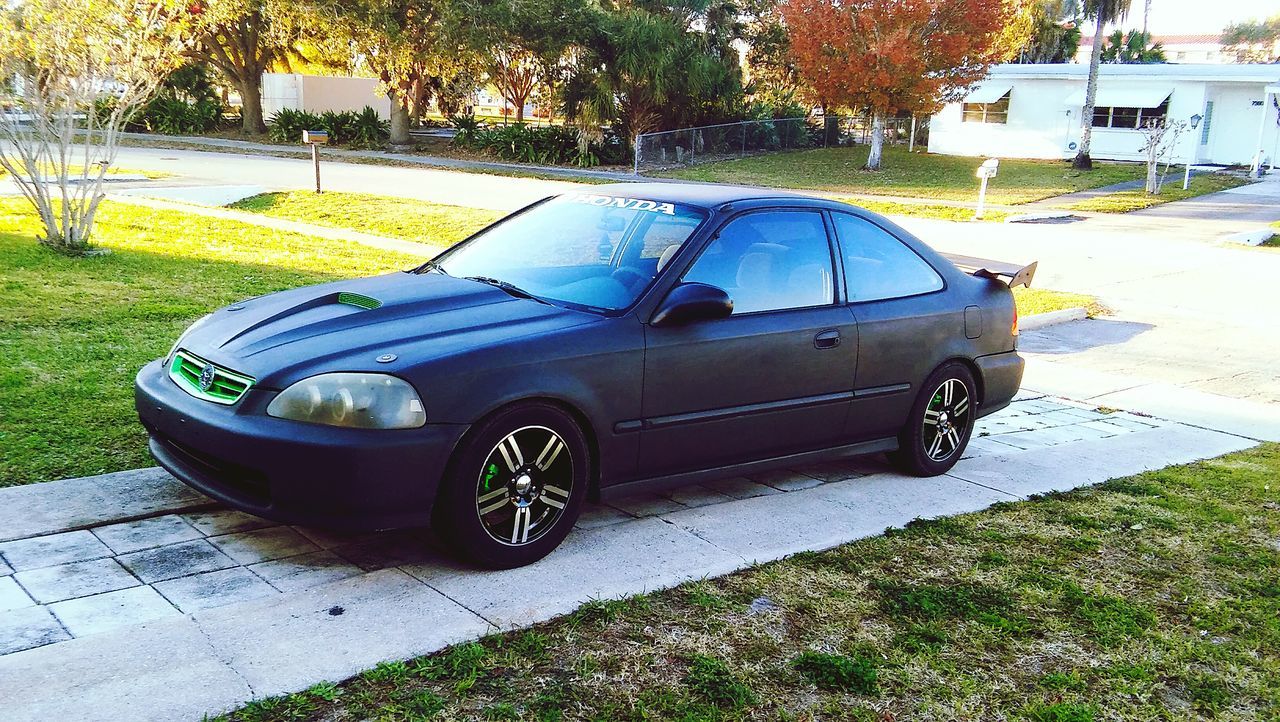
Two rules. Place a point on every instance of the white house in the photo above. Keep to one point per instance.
(1033, 111)
(1203, 48)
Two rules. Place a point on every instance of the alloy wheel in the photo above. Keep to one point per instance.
(945, 420)
(524, 485)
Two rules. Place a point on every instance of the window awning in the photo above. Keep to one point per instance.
(988, 93)
(1122, 97)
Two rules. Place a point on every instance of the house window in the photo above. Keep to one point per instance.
(1128, 118)
(997, 112)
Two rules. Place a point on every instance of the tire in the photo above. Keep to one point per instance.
(514, 487)
(940, 423)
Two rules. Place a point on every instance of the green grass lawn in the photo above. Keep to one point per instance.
(1125, 201)
(919, 175)
(925, 210)
(76, 330)
(404, 218)
(1153, 597)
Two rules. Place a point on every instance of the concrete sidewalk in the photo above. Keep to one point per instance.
(185, 609)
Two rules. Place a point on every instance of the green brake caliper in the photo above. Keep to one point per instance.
(489, 473)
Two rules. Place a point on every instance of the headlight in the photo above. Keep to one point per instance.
(182, 336)
(356, 400)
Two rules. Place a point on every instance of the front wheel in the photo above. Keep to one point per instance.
(940, 423)
(515, 488)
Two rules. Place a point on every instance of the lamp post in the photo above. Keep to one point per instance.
(1186, 173)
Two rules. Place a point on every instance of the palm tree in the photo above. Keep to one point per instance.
(1102, 12)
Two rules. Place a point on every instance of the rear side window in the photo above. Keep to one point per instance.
(878, 266)
(769, 261)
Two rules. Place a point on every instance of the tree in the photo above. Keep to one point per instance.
(1254, 41)
(773, 76)
(657, 66)
(521, 42)
(242, 39)
(1055, 33)
(1160, 137)
(1101, 12)
(888, 55)
(401, 40)
(73, 73)
(1132, 47)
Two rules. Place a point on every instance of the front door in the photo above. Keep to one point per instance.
(776, 376)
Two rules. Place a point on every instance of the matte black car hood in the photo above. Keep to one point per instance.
(346, 325)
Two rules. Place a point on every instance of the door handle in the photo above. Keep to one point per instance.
(827, 339)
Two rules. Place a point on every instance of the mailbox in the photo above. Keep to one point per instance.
(315, 137)
(988, 168)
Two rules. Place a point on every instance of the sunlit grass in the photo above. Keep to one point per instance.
(919, 175)
(76, 330)
(1040, 300)
(404, 218)
(1126, 201)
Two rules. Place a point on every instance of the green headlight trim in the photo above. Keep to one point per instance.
(359, 300)
(225, 386)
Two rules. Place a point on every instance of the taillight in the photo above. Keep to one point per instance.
(1014, 330)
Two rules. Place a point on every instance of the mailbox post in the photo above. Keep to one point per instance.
(986, 171)
(315, 139)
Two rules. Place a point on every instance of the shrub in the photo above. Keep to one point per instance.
(368, 129)
(548, 145)
(286, 125)
(338, 124)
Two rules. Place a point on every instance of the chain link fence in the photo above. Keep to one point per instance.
(709, 143)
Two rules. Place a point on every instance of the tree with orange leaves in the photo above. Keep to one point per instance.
(887, 56)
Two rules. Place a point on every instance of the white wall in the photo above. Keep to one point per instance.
(1042, 126)
(318, 93)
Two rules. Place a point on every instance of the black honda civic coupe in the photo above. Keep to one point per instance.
(594, 344)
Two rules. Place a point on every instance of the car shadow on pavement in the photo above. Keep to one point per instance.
(1077, 336)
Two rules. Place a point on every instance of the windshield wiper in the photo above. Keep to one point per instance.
(510, 288)
(433, 266)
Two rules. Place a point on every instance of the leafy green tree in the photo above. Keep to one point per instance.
(1055, 33)
(402, 41)
(521, 43)
(1134, 46)
(242, 39)
(653, 65)
(1254, 41)
(1101, 12)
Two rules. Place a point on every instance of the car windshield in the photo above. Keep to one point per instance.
(595, 252)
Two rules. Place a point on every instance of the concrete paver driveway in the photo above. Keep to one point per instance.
(194, 609)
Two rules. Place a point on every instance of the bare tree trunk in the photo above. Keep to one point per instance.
(251, 120)
(520, 113)
(1082, 160)
(877, 140)
(1146, 16)
(399, 122)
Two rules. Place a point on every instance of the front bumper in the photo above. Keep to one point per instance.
(289, 471)
(1001, 378)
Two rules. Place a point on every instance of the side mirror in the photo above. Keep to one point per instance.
(693, 302)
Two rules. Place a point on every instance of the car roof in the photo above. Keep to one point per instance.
(704, 195)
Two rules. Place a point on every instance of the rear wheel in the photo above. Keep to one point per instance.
(515, 487)
(940, 423)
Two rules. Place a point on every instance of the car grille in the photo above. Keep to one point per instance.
(225, 386)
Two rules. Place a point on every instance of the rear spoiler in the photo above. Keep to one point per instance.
(995, 270)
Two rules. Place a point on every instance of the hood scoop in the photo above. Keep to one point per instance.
(359, 300)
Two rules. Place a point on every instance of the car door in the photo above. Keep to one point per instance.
(904, 322)
(775, 376)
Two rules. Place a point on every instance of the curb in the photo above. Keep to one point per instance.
(66, 505)
(1250, 238)
(1038, 321)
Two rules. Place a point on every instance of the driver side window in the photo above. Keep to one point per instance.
(769, 261)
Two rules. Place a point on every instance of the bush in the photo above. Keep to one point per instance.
(363, 129)
(168, 114)
(547, 145)
(286, 125)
